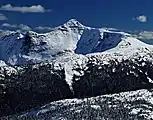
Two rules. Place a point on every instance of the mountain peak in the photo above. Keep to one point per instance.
(73, 23)
(73, 20)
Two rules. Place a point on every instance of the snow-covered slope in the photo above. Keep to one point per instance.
(71, 37)
(71, 55)
(2, 63)
(133, 105)
(5, 32)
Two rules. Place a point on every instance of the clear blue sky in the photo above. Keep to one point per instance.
(95, 13)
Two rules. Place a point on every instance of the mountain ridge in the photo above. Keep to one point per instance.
(31, 47)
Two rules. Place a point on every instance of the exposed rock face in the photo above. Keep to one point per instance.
(31, 86)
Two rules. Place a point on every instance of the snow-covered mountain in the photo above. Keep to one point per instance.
(71, 37)
(72, 61)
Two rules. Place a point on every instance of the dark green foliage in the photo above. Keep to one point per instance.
(112, 78)
(35, 85)
(32, 88)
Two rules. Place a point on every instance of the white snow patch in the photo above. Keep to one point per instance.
(96, 107)
(150, 80)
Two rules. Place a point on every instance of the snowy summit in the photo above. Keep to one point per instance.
(71, 37)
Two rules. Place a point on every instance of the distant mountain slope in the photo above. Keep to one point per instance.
(71, 37)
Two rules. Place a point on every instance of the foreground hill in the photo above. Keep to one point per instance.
(125, 105)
